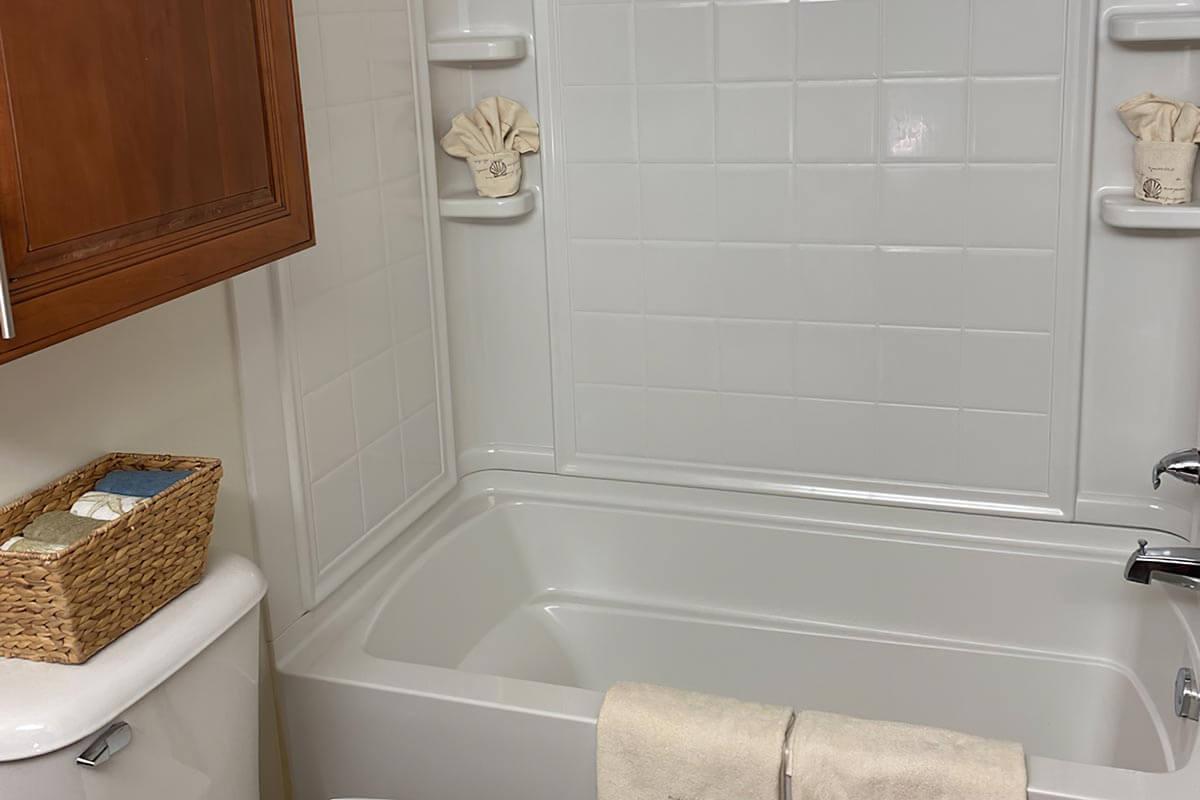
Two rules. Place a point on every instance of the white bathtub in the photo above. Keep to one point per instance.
(469, 660)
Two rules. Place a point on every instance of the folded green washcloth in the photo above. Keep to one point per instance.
(60, 527)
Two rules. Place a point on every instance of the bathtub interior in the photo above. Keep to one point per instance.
(1028, 641)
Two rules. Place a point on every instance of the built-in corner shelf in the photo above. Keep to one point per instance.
(476, 49)
(469, 205)
(1135, 27)
(1126, 211)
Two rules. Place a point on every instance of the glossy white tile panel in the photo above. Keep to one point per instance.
(754, 203)
(834, 284)
(337, 512)
(676, 123)
(917, 444)
(838, 39)
(416, 373)
(678, 202)
(329, 426)
(673, 42)
(597, 43)
(758, 431)
(403, 218)
(1018, 36)
(922, 287)
(926, 37)
(376, 406)
(360, 233)
(924, 120)
(352, 147)
(603, 201)
(421, 434)
(681, 278)
(410, 300)
(347, 77)
(1009, 290)
(317, 270)
(681, 353)
(837, 361)
(920, 366)
(369, 318)
(923, 205)
(1010, 451)
(1014, 206)
(681, 426)
(391, 77)
(382, 465)
(606, 276)
(756, 357)
(1006, 371)
(600, 123)
(756, 281)
(1016, 119)
(322, 345)
(308, 54)
(754, 122)
(836, 204)
(755, 40)
(835, 438)
(609, 348)
(610, 420)
(396, 138)
(320, 157)
(835, 121)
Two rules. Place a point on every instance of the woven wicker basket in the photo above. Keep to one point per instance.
(66, 606)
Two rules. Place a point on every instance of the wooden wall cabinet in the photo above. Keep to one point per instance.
(148, 148)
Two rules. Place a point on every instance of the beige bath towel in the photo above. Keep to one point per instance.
(840, 758)
(655, 743)
(1160, 119)
(492, 138)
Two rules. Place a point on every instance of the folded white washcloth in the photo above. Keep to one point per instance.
(654, 743)
(842, 758)
(104, 505)
(19, 544)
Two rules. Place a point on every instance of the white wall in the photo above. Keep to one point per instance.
(164, 381)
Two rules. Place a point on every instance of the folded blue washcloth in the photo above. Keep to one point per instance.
(140, 482)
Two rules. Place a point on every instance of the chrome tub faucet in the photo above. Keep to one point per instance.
(1179, 566)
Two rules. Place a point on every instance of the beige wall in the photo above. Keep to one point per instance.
(164, 380)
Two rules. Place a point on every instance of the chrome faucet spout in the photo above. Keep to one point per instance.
(1182, 464)
(1175, 565)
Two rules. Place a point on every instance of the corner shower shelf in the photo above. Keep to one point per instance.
(1154, 26)
(476, 49)
(468, 205)
(1126, 211)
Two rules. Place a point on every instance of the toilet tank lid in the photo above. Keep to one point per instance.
(44, 707)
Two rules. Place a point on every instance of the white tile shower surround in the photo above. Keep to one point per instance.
(359, 303)
(813, 237)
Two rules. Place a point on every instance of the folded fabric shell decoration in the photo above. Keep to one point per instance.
(1164, 157)
(492, 139)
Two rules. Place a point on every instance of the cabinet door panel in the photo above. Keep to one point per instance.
(147, 148)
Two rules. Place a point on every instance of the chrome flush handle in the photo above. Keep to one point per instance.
(114, 739)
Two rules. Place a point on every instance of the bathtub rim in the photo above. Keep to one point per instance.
(330, 643)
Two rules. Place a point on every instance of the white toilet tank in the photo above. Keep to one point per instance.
(186, 684)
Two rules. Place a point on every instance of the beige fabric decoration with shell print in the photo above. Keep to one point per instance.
(492, 138)
(1164, 157)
